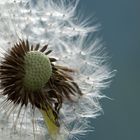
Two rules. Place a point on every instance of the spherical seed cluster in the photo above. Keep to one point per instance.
(37, 70)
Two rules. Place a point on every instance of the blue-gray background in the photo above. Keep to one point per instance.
(120, 20)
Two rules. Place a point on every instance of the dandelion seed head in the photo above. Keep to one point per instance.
(53, 69)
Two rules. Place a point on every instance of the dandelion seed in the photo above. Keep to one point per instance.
(51, 71)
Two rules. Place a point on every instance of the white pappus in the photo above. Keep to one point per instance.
(65, 101)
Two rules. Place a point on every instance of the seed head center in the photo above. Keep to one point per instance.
(38, 70)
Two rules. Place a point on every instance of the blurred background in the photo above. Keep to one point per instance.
(120, 21)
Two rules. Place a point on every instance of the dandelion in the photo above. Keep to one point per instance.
(51, 71)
